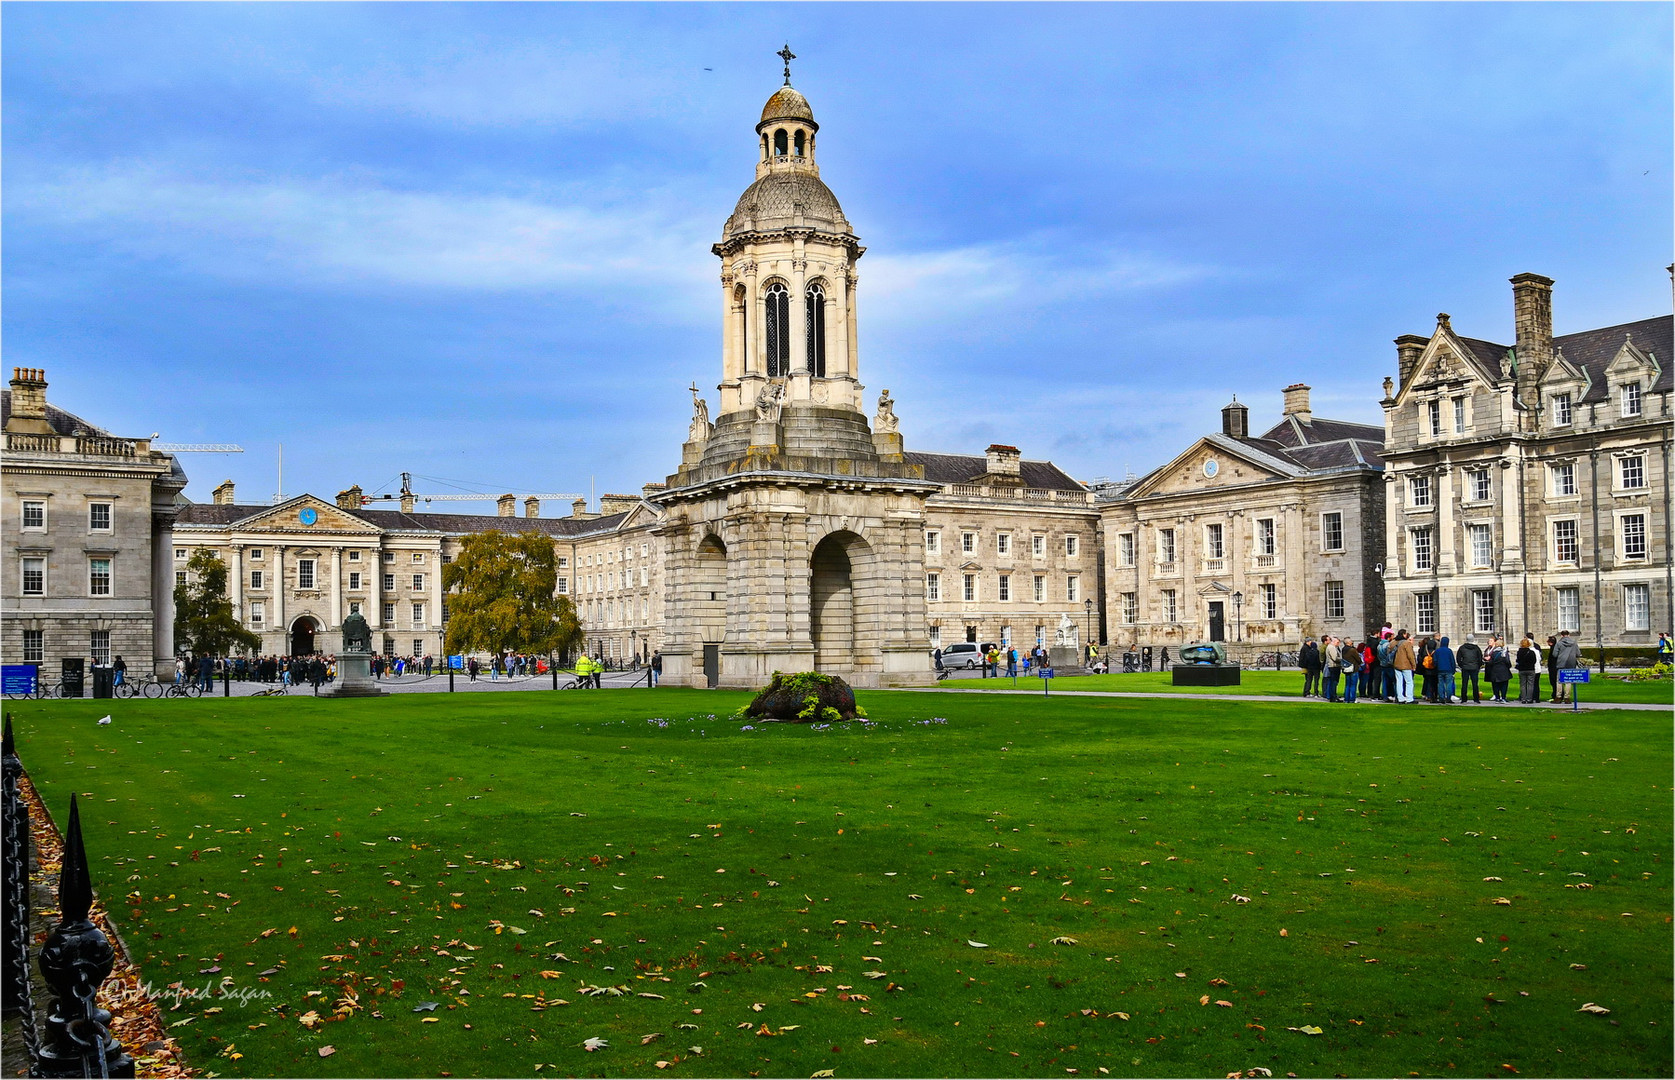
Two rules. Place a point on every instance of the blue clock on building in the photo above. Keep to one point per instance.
(308, 516)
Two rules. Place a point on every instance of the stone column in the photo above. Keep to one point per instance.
(837, 328)
(337, 588)
(1298, 554)
(852, 337)
(374, 594)
(235, 580)
(731, 363)
(799, 307)
(1395, 569)
(279, 594)
(162, 595)
(436, 593)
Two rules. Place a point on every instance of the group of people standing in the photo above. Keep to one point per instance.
(1388, 666)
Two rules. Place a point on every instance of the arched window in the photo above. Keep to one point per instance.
(799, 144)
(778, 343)
(779, 142)
(814, 326)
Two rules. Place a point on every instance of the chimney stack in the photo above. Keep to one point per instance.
(223, 494)
(1532, 314)
(408, 502)
(1297, 402)
(651, 489)
(1235, 419)
(578, 510)
(29, 402)
(1005, 463)
(349, 498)
(508, 505)
(1408, 349)
(532, 507)
(617, 504)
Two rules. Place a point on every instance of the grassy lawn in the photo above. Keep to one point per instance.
(1290, 684)
(788, 900)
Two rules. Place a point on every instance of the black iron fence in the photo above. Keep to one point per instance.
(75, 959)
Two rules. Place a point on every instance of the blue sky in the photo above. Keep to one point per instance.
(472, 241)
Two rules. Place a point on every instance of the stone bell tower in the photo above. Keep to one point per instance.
(793, 528)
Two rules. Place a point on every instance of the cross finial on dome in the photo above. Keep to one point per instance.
(787, 55)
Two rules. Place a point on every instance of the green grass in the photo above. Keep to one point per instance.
(395, 835)
(1290, 684)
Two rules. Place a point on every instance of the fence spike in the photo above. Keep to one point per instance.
(75, 887)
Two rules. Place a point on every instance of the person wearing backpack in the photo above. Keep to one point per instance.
(1333, 656)
(1308, 658)
(1445, 668)
(1349, 654)
(1469, 657)
(1402, 662)
(1386, 668)
(1428, 668)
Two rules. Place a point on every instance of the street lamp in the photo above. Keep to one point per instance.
(1088, 605)
(1238, 624)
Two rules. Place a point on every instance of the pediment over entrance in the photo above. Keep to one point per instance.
(306, 514)
(1211, 463)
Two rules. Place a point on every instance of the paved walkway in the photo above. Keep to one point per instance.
(1585, 705)
(438, 684)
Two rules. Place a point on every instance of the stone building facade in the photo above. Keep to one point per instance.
(1528, 485)
(86, 538)
(1264, 540)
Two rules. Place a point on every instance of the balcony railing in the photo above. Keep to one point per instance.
(1215, 566)
(983, 491)
(91, 445)
(1264, 561)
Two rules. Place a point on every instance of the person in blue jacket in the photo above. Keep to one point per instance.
(1446, 667)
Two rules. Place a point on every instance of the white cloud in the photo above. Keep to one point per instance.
(359, 232)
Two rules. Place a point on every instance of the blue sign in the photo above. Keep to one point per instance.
(19, 678)
(1045, 673)
(457, 663)
(1573, 675)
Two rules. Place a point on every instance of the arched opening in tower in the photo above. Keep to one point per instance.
(832, 615)
(709, 591)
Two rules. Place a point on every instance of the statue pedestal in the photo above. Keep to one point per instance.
(888, 444)
(354, 677)
(1063, 656)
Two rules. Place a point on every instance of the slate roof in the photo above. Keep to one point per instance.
(1593, 350)
(396, 521)
(1320, 444)
(64, 423)
(971, 468)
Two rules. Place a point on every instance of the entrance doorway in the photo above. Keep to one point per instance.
(832, 606)
(302, 636)
(1218, 620)
(712, 665)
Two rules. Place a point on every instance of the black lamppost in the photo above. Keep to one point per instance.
(1088, 605)
(1238, 622)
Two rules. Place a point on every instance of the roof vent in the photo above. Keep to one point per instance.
(1235, 419)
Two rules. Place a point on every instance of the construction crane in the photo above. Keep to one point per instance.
(197, 448)
(407, 493)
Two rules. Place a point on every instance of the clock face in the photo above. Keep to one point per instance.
(1211, 467)
(308, 516)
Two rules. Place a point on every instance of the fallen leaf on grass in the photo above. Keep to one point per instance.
(1284, 933)
(880, 974)
(595, 1043)
(309, 1019)
(327, 1051)
(1224, 1004)
(647, 1040)
(552, 974)
(1063, 941)
(821, 1074)
(869, 1042)
(975, 944)
(1590, 1007)
(1205, 1000)
(1307, 1029)
(1120, 1015)
(1218, 981)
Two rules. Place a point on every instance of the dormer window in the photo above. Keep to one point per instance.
(1561, 410)
(1631, 399)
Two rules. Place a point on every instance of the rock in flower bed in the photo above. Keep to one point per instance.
(803, 698)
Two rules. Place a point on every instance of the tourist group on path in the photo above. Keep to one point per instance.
(1390, 665)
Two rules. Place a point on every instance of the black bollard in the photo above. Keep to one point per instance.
(226, 677)
(450, 678)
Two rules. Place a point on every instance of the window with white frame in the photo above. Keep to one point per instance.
(1482, 541)
(389, 614)
(1420, 541)
(1213, 545)
(1167, 602)
(418, 583)
(34, 577)
(1632, 529)
(180, 577)
(100, 646)
(389, 556)
(99, 517)
(1003, 543)
(259, 613)
(180, 553)
(1563, 479)
(936, 637)
(564, 562)
(418, 557)
(1483, 611)
(305, 573)
(1334, 600)
(1433, 418)
(34, 648)
(1125, 549)
(1478, 483)
(1637, 607)
(1565, 545)
(1561, 410)
(1004, 588)
(1166, 545)
(1419, 491)
(354, 580)
(1631, 399)
(933, 586)
(34, 514)
(1130, 608)
(1071, 544)
(389, 583)
(645, 576)
(1631, 471)
(1425, 612)
(1459, 416)
(1072, 588)
(1331, 531)
(99, 576)
(1265, 536)
(1040, 588)
(256, 579)
(1268, 602)
(563, 586)
(418, 646)
(1038, 546)
(968, 542)
(418, 616)
(969, 591)
(933, 543)
(354, 556)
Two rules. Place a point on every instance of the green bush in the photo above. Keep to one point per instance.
(804, 698)
(1649, 674)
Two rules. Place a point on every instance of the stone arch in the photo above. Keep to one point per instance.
(709, 589)
(780, 147)
(304, 637)
(844, 615)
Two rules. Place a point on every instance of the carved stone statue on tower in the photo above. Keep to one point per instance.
(701, 426)
(885, 421)
(769, 402)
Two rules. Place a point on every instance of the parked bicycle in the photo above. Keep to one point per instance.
(276, 690)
